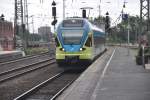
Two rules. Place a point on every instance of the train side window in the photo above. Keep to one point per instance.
(88, 42)
(57, 42)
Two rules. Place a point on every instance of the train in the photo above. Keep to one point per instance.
(78, 41)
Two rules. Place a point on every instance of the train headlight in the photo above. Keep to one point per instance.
(81, 49)
(62, 49)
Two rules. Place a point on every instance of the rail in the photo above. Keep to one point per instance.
(24, 58)
(60, 82)
(29, 92)
(10, 74)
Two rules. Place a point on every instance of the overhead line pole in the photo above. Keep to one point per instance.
(15, 25)
(148, 15)
(26, 14)
(99, 8)
(19, 24)
(64, 9)
(145, 13)
(18, 20)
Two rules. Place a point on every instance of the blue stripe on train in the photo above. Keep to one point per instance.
(72, 48)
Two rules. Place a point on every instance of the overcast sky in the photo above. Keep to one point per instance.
(41, 9)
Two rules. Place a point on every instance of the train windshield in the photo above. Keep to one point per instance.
(72, 37)
(73, 23)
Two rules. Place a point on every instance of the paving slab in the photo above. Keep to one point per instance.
(84, 86)
(124, 80)
(121, 79)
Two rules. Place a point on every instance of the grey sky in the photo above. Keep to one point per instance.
(42, 10)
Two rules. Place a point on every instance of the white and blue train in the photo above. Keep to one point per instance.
(77, 40)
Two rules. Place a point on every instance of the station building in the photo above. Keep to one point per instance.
(6, 36)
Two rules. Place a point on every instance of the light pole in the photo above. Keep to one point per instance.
(125, 17)
(64, 9)
(67, 14)
(32, 23)
(99, 8)
(54, 14)
(108, 5)
(128, 27)
(87, 8)
(107, 25)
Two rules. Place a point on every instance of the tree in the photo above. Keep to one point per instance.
(121, 34)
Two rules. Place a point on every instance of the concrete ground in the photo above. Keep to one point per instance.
(120, 79)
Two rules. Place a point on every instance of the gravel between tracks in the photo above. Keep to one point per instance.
(51, 88)
(22, 63)
(11, 89)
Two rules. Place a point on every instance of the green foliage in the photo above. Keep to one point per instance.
(120, 31)
(32, 51)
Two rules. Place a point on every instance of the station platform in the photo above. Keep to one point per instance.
(9, 55)
(114, 76)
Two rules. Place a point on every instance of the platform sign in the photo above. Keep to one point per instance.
(124, 17)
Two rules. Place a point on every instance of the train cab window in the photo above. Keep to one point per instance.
(73, 23)
(72, 37)
(57, 42)
(89, 42)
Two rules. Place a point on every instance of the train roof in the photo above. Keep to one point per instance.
(76, 18)
(92, 26)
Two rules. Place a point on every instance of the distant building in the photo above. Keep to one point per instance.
(6, 35)
(45, 33)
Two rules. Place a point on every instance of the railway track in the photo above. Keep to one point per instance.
(24, 58)
(21, 63)
(50, 88)
(16, 72)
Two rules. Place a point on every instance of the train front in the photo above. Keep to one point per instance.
(72, 45)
